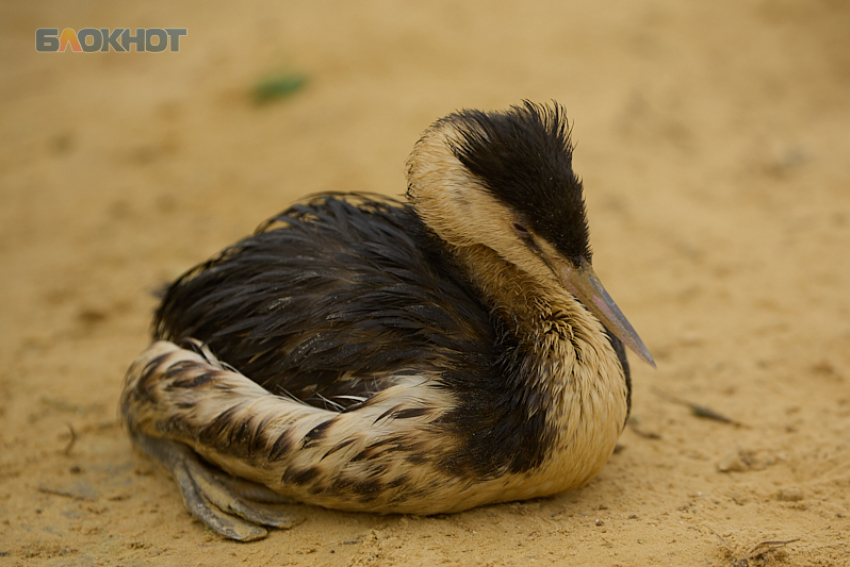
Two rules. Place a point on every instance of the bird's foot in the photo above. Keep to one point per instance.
(235, 508)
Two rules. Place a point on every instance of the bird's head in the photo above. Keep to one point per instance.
(505, 181)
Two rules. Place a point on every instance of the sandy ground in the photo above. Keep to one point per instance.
(713, 142)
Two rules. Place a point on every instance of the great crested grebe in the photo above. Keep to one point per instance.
(365, 354)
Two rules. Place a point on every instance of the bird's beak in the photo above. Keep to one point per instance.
(583, 283)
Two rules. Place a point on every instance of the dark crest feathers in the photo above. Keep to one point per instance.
(523, 157)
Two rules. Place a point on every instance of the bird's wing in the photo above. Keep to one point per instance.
(331, 301)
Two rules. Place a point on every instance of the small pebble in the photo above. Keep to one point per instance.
(793, 494)
(733, 462)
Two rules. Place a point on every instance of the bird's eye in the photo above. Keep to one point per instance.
(521, 230)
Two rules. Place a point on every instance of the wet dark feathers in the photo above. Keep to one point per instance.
(332, 288)
(346, 286)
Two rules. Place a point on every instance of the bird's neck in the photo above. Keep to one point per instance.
(533, 309)
(572, 355)
(568, 370)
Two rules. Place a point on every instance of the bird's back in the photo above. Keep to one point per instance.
(331, 301)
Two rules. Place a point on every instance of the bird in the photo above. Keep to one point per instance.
(417, 356)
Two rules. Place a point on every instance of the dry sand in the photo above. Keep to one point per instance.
(714, 142)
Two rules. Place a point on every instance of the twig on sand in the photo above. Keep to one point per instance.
(71, 442)
(698, 410)
(739, 559)
(68, 493)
